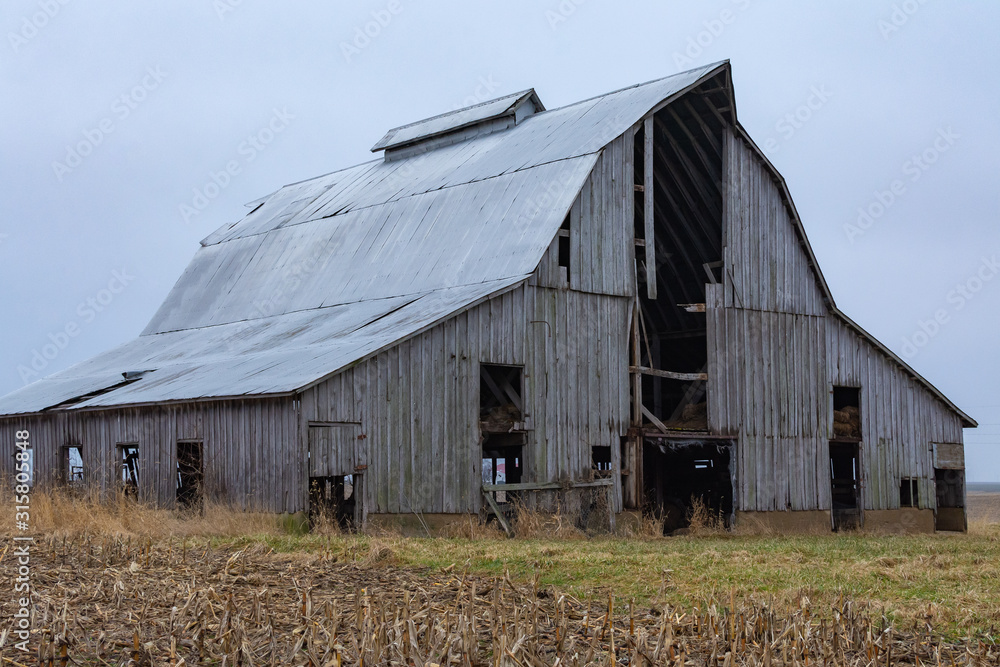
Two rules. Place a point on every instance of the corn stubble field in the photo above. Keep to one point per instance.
(127, 585)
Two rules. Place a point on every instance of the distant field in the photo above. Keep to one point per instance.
(983, 487)
(983, 506)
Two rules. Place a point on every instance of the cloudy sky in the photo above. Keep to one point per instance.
(120, 120)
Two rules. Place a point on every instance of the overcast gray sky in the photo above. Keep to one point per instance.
(120, 119)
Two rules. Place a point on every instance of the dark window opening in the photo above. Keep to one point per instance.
(334, 500)
(949, 486)
(128, 469)
(500, 404)
(908, 493)
(679, 476)
(845, 475)
(847, 413)
(564, 233)
(190, 474)
(600, 458)
(72, 465)
(503, 462)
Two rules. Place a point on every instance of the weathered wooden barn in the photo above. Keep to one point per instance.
(610, 300)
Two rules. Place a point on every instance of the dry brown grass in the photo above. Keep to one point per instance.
(61, 513)
(703, 521)
(149, 603)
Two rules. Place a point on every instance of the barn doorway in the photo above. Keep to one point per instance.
(334, 500)
(845, 479)
(190, 474)
(688, 479)
(335, 479)
(949, 488)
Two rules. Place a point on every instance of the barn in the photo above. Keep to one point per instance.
(610, 304)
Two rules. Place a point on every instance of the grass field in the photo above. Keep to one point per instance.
(121, 584)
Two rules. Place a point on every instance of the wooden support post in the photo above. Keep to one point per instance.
(636, 377)
(499, 514)
(648, 208)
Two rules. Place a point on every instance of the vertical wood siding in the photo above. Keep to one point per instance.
(900, 419)
(418, 402)
(602, 257)
(251, 449)
(767, 268)
(775, 354)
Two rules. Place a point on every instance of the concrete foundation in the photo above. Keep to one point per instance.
(814, 521)
(905, 521)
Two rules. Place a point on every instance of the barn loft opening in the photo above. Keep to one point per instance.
(678, 242)
(847, 413)
(128, 469)
(500, 404)
(680, 475)
(190, 474)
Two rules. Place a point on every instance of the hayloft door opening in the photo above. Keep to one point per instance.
(845, 476)
(688, 482)
(190, 474)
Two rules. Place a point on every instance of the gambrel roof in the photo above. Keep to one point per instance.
(329, 271)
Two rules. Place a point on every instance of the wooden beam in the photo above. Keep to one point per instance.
(636, 379)
(670, 375)
(656, 422)
(500, 517)
(648, 207)
(547, 486)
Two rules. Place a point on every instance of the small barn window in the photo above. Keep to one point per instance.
(128, 469)
(600, 456)
(72, 465)
(564, 233)
(908, 494)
